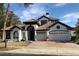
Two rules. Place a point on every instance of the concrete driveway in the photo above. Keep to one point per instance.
(46, 48)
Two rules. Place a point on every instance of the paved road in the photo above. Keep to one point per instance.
(22, 54)
(45, 48)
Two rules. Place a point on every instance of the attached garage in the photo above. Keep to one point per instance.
(55, 31)
(41, 35)
(59, 35)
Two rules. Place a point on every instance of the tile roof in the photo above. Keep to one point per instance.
(9, 28)
(52, 23)
(41, 27)
(31, 20)
(45, 26)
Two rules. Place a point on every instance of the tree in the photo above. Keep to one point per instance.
(77, 33)
(12, 19)
(2, 10)
(6, 18)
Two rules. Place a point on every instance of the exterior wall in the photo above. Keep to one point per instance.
(41, 35)
(19, 34)
(26, 32)
(62, 27)
(26, 35)
(61, 34)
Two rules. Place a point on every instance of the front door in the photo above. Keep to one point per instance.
(31, 33)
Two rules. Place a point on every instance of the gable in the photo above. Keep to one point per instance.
(15, 29)
(48, 18)
(62, 26)
(58, 26)
(43, 18)
(54, 26)
(11, 28)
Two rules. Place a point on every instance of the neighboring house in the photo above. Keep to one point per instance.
(43, 29)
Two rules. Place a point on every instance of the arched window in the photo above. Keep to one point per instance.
(15, 35)
(30, 28)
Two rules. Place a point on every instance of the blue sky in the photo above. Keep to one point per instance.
(68, 13)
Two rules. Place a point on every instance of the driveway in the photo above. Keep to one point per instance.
(46, 48)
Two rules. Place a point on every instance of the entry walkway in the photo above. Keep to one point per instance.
(48, 48)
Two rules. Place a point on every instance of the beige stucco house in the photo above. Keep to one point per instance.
(42, 29)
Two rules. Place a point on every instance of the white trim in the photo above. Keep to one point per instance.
(47, 35)
(26, 34)
(35, 35)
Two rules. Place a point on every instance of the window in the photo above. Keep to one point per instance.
(24, 37)
(7, 34)
(58, 27)
(15, 35)
(43, 22)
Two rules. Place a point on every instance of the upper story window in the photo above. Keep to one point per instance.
(58, 27)
(43, 22)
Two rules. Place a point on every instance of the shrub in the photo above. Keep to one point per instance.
(73, 38)
(23, 40)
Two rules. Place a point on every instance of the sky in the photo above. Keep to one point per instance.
(67, 13)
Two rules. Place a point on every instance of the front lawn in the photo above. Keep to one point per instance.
(13, 45)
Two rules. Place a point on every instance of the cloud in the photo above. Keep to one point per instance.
(33, 11)
(60, 4)
(72, 15)
(70, 18)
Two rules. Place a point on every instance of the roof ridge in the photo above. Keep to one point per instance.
(50, 18)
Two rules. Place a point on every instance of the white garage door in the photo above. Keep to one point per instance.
(59, 35)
